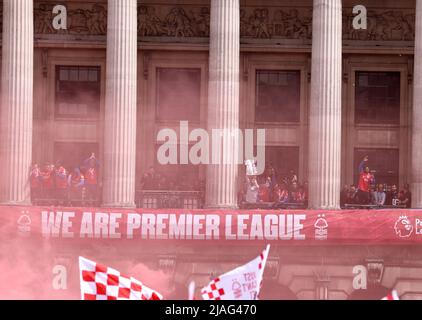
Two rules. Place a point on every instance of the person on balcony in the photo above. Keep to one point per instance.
(392, 198)
(60, 177)
(406, 197)
(343, 196)
(352, 195)
(379, 196)
(252, 191)
(265, 190)
(47, 180)
(35, 182)
(280, 194)
(92, 166)
(296, 194)
(149, 180)
(366, 178)
(76, 182)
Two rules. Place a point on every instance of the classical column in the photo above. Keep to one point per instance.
(325, 106)
(223, 102)
(417, 113)
(120, 108)
(16, 102)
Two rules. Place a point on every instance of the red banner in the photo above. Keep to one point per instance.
(298, 227)
(40, 246)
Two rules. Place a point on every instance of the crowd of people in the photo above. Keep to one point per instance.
(56, 185)
(368, 192)
(272, 188)
(379, 195)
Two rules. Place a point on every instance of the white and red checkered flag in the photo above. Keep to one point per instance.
(392, 296)
(242, 283)
(99, 282)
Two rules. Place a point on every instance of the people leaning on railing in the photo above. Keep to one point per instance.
(54, 185)
(385, 196)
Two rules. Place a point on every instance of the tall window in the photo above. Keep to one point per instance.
(383, 162)
(178, 94)
(277, 96)
(78, 91)
(377, 98)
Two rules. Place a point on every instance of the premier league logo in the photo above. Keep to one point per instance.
(403, 227)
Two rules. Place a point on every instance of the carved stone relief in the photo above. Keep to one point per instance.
(86, 19)
(190, 21)
(267, 23)
(383, 25)
(173, 21)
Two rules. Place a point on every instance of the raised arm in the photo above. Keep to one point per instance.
(362, 164)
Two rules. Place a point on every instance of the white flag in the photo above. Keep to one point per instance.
(392, 296)
(99, 282)
(242, 283)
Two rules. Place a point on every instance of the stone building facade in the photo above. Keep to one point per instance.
(225, 52)
(173, 42)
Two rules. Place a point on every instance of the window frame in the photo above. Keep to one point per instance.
(377, 122)
(91, 116)
(299, 70)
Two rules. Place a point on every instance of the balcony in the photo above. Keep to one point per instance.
(161, 199)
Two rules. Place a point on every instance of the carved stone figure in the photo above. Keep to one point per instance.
(43, 17)
(202, 22)
(97, 20)
(78, 21)
(143, 21)
(295, 28)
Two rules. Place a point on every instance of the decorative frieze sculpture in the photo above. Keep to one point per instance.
(256, 23)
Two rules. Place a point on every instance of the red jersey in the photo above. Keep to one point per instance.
(297, 196)
(75, 180)
(264, 193)
(91, 176)
(61, 178)
(47, 179)
(365, 180)
(280, 195)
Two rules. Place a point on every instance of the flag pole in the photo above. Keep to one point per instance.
(191, 291)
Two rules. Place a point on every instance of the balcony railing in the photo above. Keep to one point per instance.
(272, 205)
(159, 199)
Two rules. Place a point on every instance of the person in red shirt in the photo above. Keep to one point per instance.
(366, 179)
(60, 176)
(280, 194)
(47, 181)
(91, 166)
(76, 183)
(296, 195)
(35, 183)
(264, 192)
